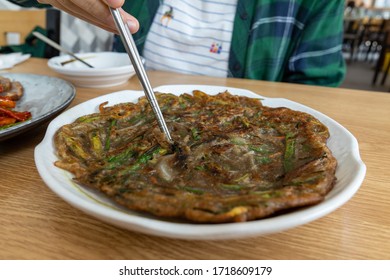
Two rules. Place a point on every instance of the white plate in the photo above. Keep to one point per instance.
(109, 69)
(44, 96)
(350, 174)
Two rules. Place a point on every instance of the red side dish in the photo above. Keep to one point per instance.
(10, 93)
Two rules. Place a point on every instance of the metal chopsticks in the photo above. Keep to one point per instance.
(58, 47)
(135, 58)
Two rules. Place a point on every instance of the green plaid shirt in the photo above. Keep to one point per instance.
(296, 41)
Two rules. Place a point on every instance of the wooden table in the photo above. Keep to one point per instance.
(37, 224)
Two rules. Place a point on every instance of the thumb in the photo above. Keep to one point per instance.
(114, 3)
(131, 21)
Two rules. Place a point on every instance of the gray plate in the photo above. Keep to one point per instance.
(44, 96)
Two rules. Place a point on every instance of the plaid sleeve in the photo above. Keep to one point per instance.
(317, 59)
(144, 11)
(28, 3)
(296, 41)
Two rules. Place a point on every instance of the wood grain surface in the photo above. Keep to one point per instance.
(37, 224)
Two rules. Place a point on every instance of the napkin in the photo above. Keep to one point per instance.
(10, 60)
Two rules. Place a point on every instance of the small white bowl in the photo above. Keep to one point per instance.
(110, 69)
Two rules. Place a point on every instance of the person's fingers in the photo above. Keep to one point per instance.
(102, 16)
(95, 12)
(95, 18)
(131, 21)
(114, 3)
(88, 18)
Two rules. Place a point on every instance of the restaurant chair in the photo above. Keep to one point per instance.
(382, 65)
(352, 34)
(371, 38)
(21, 23)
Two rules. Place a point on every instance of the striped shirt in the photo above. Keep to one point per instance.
(191, 36)
(295, 41)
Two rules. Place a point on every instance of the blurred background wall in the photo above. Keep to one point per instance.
(76, 35)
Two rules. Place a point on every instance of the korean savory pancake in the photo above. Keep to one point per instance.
(233, 159)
